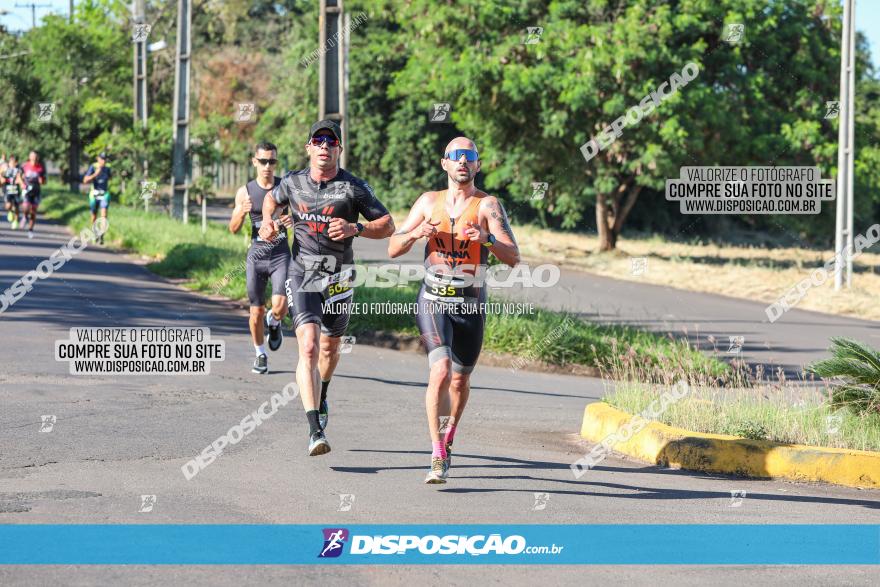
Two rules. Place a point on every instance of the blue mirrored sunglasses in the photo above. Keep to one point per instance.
(469, 154)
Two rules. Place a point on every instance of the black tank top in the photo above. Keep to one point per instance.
(257, 194)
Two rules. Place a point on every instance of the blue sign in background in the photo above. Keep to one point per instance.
(301, 544)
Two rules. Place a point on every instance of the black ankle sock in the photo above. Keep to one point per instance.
(314, 426)
(324, 386)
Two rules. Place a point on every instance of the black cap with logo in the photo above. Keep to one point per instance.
(330, 125)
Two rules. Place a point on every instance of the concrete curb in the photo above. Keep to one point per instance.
(678, 448)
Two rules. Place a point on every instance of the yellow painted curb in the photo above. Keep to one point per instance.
(678, 448)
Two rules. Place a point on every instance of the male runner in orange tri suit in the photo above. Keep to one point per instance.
(461, 225)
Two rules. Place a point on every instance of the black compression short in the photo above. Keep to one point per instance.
(451, 329)
(317, 297)
(265, 262)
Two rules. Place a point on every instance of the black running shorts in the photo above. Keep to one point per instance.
(452, 329)
(265, 262)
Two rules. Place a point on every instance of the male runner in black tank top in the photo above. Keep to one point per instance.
(265, 259)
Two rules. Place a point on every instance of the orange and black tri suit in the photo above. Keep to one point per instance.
(450, 302)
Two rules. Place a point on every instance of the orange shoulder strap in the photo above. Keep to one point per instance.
(439, 211)
(473, 211)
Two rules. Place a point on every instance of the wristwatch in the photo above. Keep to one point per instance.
(490, 241)
(360, 228)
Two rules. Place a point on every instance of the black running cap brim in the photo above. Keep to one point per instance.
(330, 125)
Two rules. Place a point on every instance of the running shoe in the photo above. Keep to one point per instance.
(439, 471)
(10, 216)
(261, 364)
(323, 414)
(275, 335)
(30, 234)
(448, 455)
(318, 444)
(15, 223)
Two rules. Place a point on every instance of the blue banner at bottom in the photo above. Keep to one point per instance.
(687, 544)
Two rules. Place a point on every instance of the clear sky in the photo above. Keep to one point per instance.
(867, 18)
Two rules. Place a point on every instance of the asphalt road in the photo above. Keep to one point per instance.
(119, 437)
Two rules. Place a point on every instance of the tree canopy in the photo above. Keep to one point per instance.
(531, 81)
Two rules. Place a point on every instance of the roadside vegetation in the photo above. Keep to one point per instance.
(845, 414)
(762, 412)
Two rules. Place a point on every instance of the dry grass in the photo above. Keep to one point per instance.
(740, 271)
(765, 412)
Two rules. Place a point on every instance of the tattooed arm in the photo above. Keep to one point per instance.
(505, 247)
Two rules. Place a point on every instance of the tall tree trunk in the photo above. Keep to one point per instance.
(607, 242)
(73, 152)
(610, 220)
(621, 216)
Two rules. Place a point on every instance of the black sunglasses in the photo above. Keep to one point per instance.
(265, 162)
(319, 140)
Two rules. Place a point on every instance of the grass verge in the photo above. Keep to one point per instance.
(759, 413)
(214, 263)
(748, 272)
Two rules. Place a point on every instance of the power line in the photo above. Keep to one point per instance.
(33, 8)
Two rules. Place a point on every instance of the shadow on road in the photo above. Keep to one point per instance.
(642, 492)
(424, 384)
(650, 492)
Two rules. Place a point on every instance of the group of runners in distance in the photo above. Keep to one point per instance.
(311, 277)
(21, 186)
(21, 190)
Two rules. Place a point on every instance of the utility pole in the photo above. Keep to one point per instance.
(332, 74)
(33, 8)
(73, 153)
(140, 74)
(140, 67)
(181, 165)
(843, 238)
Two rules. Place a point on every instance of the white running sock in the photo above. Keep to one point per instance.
(273, 321)
(261, 350)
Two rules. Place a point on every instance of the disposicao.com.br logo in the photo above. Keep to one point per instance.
(451, 544)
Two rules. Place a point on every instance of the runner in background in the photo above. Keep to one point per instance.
(34, 178)
(266, 259)
(99, 175)
(13, 186)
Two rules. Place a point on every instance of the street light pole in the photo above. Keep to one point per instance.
(843, 238)
(140, 75)
(140, 67)
(181, 168)
(332, 79)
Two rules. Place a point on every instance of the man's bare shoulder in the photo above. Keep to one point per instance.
(428, 199)
(487, 201)
(240, 194)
